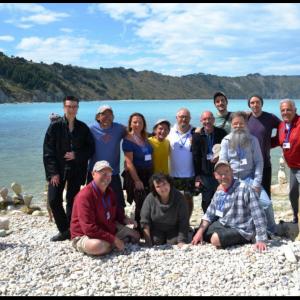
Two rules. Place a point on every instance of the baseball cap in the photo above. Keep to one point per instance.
(160, 121)
(100, 165)
(221, 162)
(101, 109)
(217, 94)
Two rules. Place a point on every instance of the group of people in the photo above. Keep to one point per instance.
(227, 160)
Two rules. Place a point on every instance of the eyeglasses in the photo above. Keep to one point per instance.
(107, 174)
(183, 117)
(71, 106)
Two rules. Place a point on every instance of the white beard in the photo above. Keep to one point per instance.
(239, 138)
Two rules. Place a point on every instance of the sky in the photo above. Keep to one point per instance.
(224, 39)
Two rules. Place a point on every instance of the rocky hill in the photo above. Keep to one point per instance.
(27, 81)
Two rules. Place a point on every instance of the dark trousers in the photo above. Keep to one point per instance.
(55, 196)
(294, 190)
(227, 236)
(161, 237)
(266, 180)
(210, 185)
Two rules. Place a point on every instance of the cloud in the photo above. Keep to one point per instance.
(44, 18)
(67, 30)
(18, 7)
(227, 36)
(122, 11)
(6, 38)
(65, 49)
(28, 15)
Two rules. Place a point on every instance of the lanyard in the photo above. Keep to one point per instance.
(287, 136)
(210, 142)
(180, 140)
(223, 197)
(106, 205)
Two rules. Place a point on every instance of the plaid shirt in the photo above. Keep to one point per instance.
(241, 211)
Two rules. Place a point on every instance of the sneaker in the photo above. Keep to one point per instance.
(61, 236)
(273, 236)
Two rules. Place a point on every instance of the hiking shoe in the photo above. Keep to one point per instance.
(61, 236)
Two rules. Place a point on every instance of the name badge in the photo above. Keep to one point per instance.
(286, 145)
(148, 157)
(209, 156)
(107, 215)
(219, 213)
(243, 161)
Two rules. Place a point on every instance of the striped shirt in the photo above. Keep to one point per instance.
(241, 211)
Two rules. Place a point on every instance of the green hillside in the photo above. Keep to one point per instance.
(26, 81)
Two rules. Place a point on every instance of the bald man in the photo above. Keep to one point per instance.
(203, 157)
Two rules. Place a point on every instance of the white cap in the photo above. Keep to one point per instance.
(103, 108)
(220, 163)
(160, 121)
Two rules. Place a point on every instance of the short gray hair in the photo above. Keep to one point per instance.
(183, 108)
(239, 114)
(292, 102)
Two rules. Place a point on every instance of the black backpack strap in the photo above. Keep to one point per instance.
(226, 119)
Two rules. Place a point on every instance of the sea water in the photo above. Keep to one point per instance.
(23, 127)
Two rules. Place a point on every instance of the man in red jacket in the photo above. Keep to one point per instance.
(97, 224)
(287, 137)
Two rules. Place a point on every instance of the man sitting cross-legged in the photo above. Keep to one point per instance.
(98, 223)
(234, 215)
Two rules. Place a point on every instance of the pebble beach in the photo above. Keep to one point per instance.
(31, 265)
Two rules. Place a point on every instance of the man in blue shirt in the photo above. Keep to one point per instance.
(108, 136)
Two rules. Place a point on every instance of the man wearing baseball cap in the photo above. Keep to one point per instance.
(161, 146)
(234, 216)
(107, 137)
(98, 224)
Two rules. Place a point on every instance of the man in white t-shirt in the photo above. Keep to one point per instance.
(181, 158)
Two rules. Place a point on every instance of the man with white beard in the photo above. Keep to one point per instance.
(241, 149)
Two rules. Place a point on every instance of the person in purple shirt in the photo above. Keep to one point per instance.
(261, 124)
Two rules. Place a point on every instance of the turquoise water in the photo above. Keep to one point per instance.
(23, 126)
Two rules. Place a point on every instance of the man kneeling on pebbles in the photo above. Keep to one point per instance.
(234, 215)
(97, 225)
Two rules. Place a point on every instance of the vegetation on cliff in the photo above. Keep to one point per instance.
(27, 81)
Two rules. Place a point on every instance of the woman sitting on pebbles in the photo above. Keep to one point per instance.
(164, 214)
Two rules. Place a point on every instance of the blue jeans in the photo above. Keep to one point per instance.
(267, 206)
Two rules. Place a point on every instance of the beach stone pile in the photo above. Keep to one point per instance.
(31, 265)
(19, 200)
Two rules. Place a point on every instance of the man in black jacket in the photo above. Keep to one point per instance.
(203, 157)
(68, 145)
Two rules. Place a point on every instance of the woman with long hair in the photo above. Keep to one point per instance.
(138, 162)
